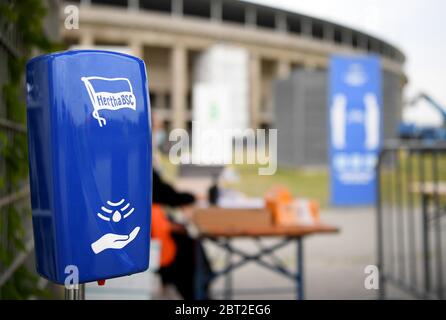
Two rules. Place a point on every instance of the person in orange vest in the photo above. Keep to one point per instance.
(178, 249)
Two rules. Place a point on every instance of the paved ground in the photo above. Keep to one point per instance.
(334, 264)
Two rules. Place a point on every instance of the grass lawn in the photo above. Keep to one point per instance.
(314, 183)
(306, 183)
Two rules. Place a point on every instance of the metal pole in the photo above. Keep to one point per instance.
(425, 223)
(411, 222)
(438, 229)
(426, 245)
(75, 292)
(228, 278)
(300, 270)
(380, 226)
(198, 281)
(400, 219)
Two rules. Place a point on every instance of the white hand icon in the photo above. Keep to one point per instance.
(113, 241)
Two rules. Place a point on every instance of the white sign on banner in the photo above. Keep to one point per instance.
(211, 145)
(220, 102)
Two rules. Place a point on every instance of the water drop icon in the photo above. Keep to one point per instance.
(116, 216)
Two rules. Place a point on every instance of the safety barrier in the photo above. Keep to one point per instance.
(411, 210)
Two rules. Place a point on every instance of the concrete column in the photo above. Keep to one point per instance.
(281, 22)
(374, 45)
(307, 27)
(216, 11)
(251, 16)
(133, 5)
(328, 32)
(362, 42)
(177, 7)
(178, 67)
(347, 37)
(85, 2)
(255, 89)
(283, 69)
(137, 48)
(387, 51)
(86, 38)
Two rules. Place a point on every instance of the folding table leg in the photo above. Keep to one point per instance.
(300, 290)
(198, 281)
(228, 277)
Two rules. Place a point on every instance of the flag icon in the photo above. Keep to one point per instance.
(109, 94)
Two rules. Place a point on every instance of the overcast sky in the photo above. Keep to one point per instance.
(417, 27)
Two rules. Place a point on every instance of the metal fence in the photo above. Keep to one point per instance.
(411, 213)
(10, 47)
(18, 198)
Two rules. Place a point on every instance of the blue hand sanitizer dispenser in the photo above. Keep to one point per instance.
(90, 164)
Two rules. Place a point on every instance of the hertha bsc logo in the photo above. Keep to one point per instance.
(109, 94)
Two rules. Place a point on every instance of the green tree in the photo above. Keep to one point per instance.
(25, 16)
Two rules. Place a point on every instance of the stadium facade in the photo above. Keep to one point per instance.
(169, 34)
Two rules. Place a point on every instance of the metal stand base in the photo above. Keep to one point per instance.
(75, 292)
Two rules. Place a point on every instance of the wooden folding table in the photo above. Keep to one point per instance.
(221, 225)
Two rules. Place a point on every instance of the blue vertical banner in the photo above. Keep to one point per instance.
(355, 128)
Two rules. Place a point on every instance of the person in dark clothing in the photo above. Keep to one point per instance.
(181, 272)
(164, 193)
